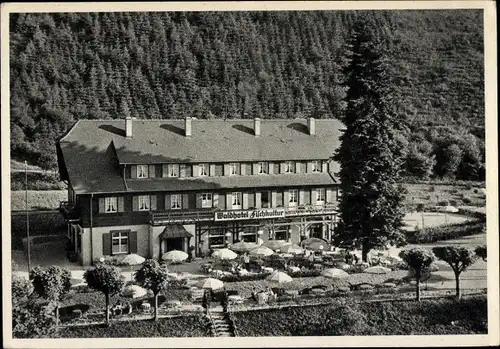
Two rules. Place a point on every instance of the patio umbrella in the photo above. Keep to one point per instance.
(210, 283)
(261, 251)
(242, 246)
(334, 273)
(293, 249)
(224, 253)
(134, 291)
(276, 244)
(450, 209)
(315, 244)
(132, 259)
(175, 256)
(279, 277)
(377, 270)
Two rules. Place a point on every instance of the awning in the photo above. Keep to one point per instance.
(175, 231)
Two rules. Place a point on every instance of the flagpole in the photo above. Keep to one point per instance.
(27, 214)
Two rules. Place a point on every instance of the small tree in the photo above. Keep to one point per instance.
(481, 252)
(459, 258)
(22, 288)
(153, 276)
(418, 260)
(52, 284)
(107, 279)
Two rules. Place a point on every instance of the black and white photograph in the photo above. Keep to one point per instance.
(287, 175)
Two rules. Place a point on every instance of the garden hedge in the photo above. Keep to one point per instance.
(446, 232)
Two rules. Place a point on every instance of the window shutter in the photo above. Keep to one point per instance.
(276, 168)
(189, 171)
(182, 170)
(301, 197)
(279, 198)
(226, 169)
(243, 169)
(121, 204)
(106, 244)
(307, 197)
(102, 209)
(196, 170)
(229, 201)
(255, 168)
(168, 203)
(135, 203)
(324, 166)
(286, 198)
(132, 242)
(282, 167)
(212, 170)
(244, 203)
(309, 167)
(221, 202)
(329, 195)
(314, 196)
(152, 171)
(251, 200)
(198, 200)
(185, 201)
(164, 170)
(258, 200)
(219, 170)
(153, 202)
(274, 199)
(133, 171)
(270, 168)
(215, 200)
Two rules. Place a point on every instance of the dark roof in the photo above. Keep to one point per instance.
(175, 231)
(228, 182)
(92, 149)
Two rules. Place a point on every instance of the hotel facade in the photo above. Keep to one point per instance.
(151, 186)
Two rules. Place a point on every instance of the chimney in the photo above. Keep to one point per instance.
(128, 127)
(188, 126)
(256, 127)
(312, 126)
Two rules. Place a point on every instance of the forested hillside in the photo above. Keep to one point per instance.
(66, 67)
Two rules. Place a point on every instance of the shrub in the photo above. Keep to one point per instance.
(466, 200)
(445, 232)
(443, 203)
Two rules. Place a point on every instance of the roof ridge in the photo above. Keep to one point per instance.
(69, 131)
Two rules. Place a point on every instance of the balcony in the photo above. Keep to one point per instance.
(207, 215)
(69, 211)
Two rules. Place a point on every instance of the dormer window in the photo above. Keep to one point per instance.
(142, 171)
(289, 167)
(203, 170)
(316, 166)
(110, 204)
(173, 170)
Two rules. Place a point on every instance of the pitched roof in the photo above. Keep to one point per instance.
(92, 149)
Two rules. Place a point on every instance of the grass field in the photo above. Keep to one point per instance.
(435, 194)
(432, 219)
(429, 317)
(37, 199)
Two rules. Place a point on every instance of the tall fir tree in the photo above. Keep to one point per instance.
(370, 157)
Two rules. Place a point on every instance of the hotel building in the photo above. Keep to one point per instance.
(150, 186)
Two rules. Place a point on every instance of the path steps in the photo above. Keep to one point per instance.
(220, 323)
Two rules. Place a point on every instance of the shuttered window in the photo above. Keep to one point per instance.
(236, 196)
(289, 167)
(144, 202)
(175, 201)
(173, 170)
(206, 200)
(110, 204)
(320, 196)
(316, 166)
(204, 170)
(293, 198)
(142, 171)
(119, 242)
(263, 168)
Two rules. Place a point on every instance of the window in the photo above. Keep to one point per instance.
(320, 196)
(293, 198)
(119, 242)
(262, 168)
(236, 200)
(316, 166)
(142, 171)
(233, 169)
(289, 167)
(265, 199)
(144, 202)
(175, 201)
(204, 168)
(173, 170)
(206, 200)
(110, 205)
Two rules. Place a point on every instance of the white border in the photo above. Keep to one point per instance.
(376, 341)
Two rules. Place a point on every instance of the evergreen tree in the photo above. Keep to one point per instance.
(370, 155)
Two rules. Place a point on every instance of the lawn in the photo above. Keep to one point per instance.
(37, 199)
(346, 317)
(432, 219)
(187, 326)
(41, 223)
(435, 194)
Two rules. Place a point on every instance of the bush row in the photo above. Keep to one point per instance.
(446, 232)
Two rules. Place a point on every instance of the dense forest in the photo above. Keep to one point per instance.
(69, 66)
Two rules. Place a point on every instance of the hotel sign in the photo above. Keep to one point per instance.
(249, 214)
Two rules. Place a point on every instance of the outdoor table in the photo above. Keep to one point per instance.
(235, 299)
(173, 303)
